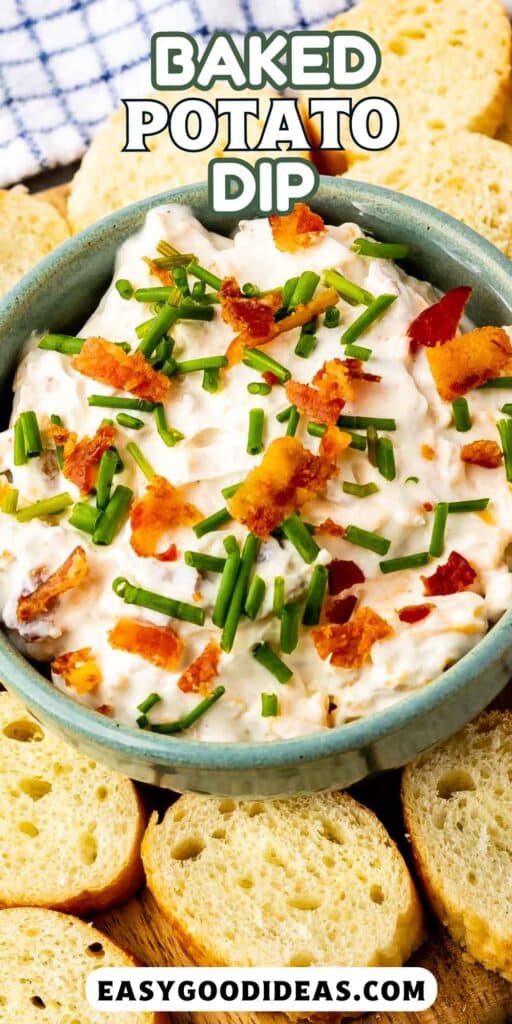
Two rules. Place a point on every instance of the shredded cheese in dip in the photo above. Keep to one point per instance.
(213, 455)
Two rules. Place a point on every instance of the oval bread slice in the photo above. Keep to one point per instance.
(29, 229)
(467, 175)
(70, 829)
(45, 959)
(310, 880)
(458, 812)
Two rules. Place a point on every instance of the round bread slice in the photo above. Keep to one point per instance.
(458, 812)
(445, 66)
(29, 229)
(313, 880)
(45, 959)
(504, 133)
(70, 829)
(109, 179)
(465, 174)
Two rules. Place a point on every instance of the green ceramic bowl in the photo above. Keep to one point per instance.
(58, 295)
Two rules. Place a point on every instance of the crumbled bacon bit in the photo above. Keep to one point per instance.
(350, 643)
(455, 575)
(330, 527)
(69, 575)
(105, 709)
(427, 506)
(333, 443)
(427, 452)
(108, 363)
(158, 644)
(169, 555)
(469, 360)
(162, 273)
(270, 378)
(343, 574)
(300, 316)
(253, 316)
(340, 611)
(332, 387)
(286, 479)
(412, 613)
(78, 669)
(203, 669)
(310, 402)
(439, 322)
(82, 459)
(486, 454)
(296, 230)
(161, 508)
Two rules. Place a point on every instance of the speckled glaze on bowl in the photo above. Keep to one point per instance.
(58, 295)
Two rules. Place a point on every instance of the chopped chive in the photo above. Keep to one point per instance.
(367, 539)
(332, 316)
(315, 429)
(310, 327)
(386, 458)
(59, 448)
(131, 422)
(288, 290)
(211, 379)
(496, 382)
(32, 437)
(359, 422)
(285, 414)
(169, 251)
(170, 436)
(407, 562)
(461, 414)
(206, 363)
(412, 480)
(228, 492)
(249, 552)
(181, 724)
(169, 367)
(298, 534)
(10, 500)
(258, 387)
(204, 275)
(106, 422)
(473, 505)
(269, 705)
(143, 327)
(108, 466)
(278, 597)
(204, 563)
(358, 352)
(255, 433)
(113, 516)
(156, 329)
(20, 456)
(113, 402)
(157, 294)
(507, 409)
(348, 290)
(125, 288)
(264, 363)
(315, 596)
(359, 490)
(372, 440)
(157, 602)
(45, 507)
(358, 441)
(305, 346)
(438, 529)
(213, 522)
(142, 721)
(293, 422)
(364, 322)
(226, 588)
(63, 343)
(255, 596)
(84, 517)
(304, 289)
(250, 290)
(290, 624)
(230, 544)
(505, 432)
(162, 352)
(141, 460)
(181, 280)
(148, 703)
(198, 290)
(379, 250)
(266, 657)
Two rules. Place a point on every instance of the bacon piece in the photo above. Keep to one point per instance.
(427, 452)
(412, 613)
(162, 273)
(468, 360)
(255, 316)
(78, 669)
(439, 322)
(310, 402)
(455, 575)
(82, 459)
(333, 386)
(330, 527)
(202, 670)
(301, 315)
(486, 454)
(333, 443)
(158, 644)
(340, 611)
(69, 575)
(161, 508)
(110, 364)
(343, 574)
(270, 378)
(169, 555)
(285, 480)
(296, 230)
(348, 645)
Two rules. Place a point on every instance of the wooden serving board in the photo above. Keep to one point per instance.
(468, 994)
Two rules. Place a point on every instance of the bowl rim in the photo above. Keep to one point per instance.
(72, 716)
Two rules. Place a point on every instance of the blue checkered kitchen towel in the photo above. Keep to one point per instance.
(64, 64)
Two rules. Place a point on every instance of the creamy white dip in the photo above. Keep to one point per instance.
(213, 455)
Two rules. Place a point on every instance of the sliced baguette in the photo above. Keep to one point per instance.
(29, 229)
(45, 959)
(458, 812)
(310, 880)
(467, 175)
(70, 829)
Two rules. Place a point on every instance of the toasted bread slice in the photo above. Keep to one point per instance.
(45, 959)
(445, 66)
(70, 829)
(504, 133)
(29, 229)
(306, 881)
(465, 174)
(458, 813)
